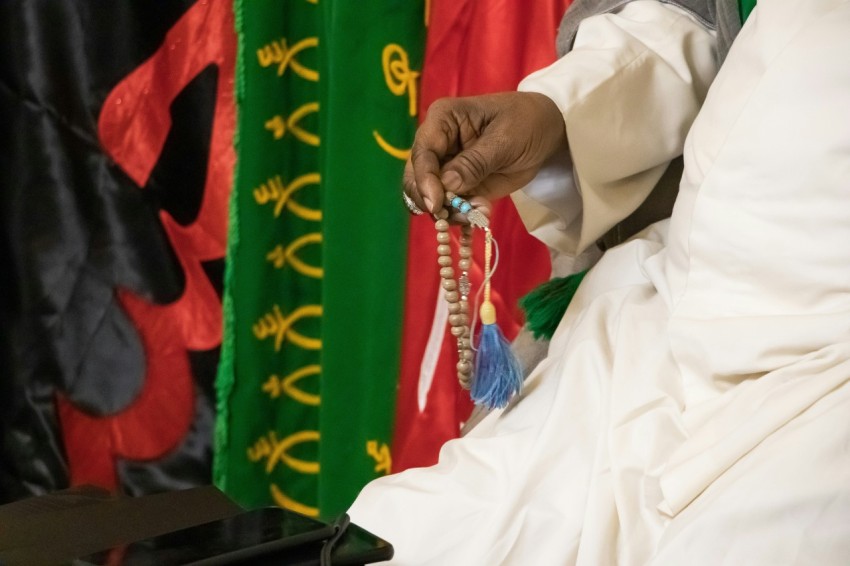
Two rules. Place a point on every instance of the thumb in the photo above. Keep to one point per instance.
(466, 170)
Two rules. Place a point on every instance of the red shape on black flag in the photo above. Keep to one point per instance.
(133, 126)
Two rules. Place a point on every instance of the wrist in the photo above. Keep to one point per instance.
(549, 124)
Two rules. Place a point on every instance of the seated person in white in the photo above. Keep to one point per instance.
(694, 405)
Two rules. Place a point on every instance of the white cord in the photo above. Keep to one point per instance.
(480, 290)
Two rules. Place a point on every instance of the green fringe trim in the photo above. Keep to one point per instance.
(545, 305)
(226, 374)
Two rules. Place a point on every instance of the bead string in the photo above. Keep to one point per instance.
(457, 291)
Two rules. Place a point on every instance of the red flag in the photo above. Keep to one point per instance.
(473, 47)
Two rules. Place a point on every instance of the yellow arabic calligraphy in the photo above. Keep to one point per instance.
(398, 153)
(281, 453)
(277, 451)
(381, 454)
(400, 80)
(282, 500)
(277, 52)
(279, 326)
(273, 190)
(280, 256)
(398, 75)
(279, 125)
(274, 386)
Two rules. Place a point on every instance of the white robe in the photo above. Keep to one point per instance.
(694, 407)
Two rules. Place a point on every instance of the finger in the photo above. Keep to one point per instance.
(434, 139)
(458, 218)
(409, 186)
(469, 168)
(482, 204)
(426, 170)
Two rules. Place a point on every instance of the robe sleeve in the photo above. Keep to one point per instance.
(628, 93)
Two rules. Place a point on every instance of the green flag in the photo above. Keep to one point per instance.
(371, 53)
(326, 97)
(267, 434)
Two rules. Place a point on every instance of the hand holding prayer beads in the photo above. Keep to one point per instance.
(487, 146)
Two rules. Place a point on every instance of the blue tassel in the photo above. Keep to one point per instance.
(498, 375)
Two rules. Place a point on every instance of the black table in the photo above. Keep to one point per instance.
(63, 527)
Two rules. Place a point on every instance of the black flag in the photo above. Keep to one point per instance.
(116, 122)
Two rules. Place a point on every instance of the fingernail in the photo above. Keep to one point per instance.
(451, 181)
(428, 203)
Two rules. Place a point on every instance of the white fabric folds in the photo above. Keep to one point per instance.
(694, 407)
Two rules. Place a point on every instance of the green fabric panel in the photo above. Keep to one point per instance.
(746, 7)
(268, 433)
(365, 228)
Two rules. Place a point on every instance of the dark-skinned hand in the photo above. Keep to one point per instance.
(481, 148)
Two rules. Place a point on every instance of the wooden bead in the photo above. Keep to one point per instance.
(458, 309)
(449, 196)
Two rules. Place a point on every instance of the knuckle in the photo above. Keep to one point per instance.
(408, 180)
(442, 106)
(472, 164)
(417, 152)
(409, 186)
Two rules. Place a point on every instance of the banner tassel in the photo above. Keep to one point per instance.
(546, 304)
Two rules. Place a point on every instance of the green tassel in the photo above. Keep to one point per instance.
(546, 304)
(745, 7)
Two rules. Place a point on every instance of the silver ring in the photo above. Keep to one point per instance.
(411, 206)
